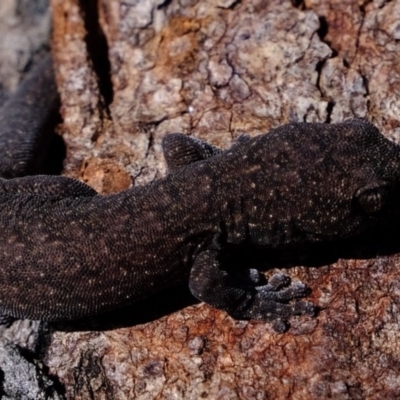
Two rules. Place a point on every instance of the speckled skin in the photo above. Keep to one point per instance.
(67, 252)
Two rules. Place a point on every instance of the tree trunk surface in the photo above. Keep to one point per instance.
(129, 72)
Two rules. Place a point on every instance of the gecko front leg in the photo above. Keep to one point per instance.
(274, 301)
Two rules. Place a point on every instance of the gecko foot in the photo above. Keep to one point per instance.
(276, 301)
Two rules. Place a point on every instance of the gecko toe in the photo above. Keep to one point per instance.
(305, 308)
(280, 325)
(294, 291)
(278, 281)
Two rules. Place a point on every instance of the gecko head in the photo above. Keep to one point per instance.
(362, 186)
(320, 182)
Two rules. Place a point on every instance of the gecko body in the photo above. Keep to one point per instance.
(67, 252)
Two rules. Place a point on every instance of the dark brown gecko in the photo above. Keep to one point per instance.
(68, 252)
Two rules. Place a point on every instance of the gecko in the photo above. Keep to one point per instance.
(67, 252)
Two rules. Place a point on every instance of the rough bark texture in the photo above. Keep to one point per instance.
(129, 72)
(25, 27)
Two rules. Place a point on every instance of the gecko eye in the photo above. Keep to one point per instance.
(372, 199)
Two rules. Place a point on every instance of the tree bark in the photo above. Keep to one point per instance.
(129, 73)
